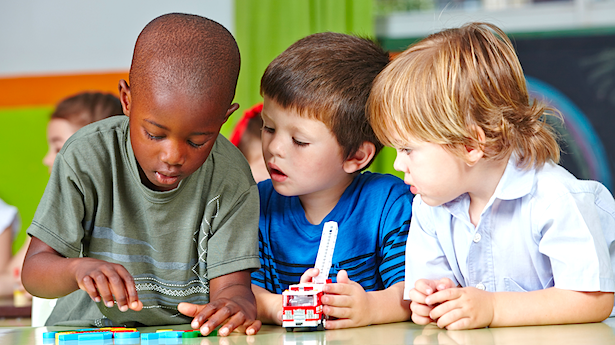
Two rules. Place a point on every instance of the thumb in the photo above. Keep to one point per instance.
(342, 277)
(189, 309)
(309, 274)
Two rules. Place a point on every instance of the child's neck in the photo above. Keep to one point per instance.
(319, 204)
(485, 177)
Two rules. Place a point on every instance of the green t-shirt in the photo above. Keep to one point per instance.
(171, 242)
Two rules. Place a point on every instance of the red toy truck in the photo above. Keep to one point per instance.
(302, 307)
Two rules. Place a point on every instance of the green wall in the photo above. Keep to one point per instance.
(22, 174)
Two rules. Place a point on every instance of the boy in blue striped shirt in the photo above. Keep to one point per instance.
(316, 142)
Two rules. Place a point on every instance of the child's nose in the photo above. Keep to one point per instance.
(275, 147)
(173, 153)
(397, 164)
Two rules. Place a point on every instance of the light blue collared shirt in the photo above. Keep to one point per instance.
(541, 228)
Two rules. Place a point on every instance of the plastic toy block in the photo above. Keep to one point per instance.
(49, 335)
(191, 334)
(94, 336)
(126, 334)
(150, 336)
(67, 336)
(170, 334)
(163, 330)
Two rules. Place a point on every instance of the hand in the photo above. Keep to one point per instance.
(208, 316)
(461, 308)
(347, 301)
(103, 280)
(423, 288)
(309, 274)
(232, 305)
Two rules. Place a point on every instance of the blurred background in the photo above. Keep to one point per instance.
(53, 49)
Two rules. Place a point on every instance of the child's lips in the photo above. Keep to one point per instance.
(167, 178)
(276, 174)
(413, 190)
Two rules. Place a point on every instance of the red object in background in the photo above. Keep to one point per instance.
(241, 126)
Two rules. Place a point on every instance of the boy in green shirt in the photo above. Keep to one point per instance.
(155, 202)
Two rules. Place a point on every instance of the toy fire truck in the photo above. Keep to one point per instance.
(302, 305)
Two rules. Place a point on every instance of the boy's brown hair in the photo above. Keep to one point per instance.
(442, 88)
(328, 77)
(87, 107)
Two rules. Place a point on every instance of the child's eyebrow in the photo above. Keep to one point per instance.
(166, 129)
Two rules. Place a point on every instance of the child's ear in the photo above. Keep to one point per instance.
(474, 154)
(125, 97)
(361, 158)
(230, 111)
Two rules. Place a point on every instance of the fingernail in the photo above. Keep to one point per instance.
(194, 324)
(429, 290)
(204, 330)
(250, 332)
(223, 331)
(427, 300)
(135, 305)
(441, 287)
(97, 299)
(123, 308)
(109, 304)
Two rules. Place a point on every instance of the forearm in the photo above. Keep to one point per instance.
(550, 306)
(268, 305)
(388, 305)
(49, 276)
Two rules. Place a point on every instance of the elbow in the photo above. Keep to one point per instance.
(604, 306)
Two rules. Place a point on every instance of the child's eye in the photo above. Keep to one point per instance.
(152, 137)
(195, 145)
(405, 150)
(299, 143)
(268, 129)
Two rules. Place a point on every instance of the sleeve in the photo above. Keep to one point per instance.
(59, 215)
(393, 237)
(233, 246)
(578, 237)
(425, 257)
(9, 217)
(263, 276)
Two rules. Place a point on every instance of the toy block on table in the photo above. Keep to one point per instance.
(87, 334)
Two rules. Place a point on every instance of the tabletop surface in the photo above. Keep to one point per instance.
(395, 333)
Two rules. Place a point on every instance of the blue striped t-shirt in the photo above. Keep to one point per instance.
(373, 217)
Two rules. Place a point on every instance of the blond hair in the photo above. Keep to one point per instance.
(442, 88)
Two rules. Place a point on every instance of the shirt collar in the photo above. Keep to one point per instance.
(515, 182)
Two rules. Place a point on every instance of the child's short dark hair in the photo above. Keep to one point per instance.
(328, 76)
(188, 51)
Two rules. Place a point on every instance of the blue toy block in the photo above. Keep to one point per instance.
(126, 335)
(94, 336)
(170, 334)
(150, 336)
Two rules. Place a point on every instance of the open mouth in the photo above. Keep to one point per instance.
(276, 174)
(166, 179)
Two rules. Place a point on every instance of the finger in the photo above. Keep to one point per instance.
(254, 327)
(339, 288)
(421, 320)
(102, 284)
(216, 319)
(340, 313)
(131, 291)
(118, 289)
(307, 276)
(421, 309)
(442, 296)
(196, 311)
(451, 317)
(235, 322)
(425, 286)
(87, 285)
(338, 324)
(417, 296)
(337, 300)
(342, 277)
(445, 283)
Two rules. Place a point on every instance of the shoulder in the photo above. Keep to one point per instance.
(227, 164)
(98, 134)
(553, 181)
(381, 186)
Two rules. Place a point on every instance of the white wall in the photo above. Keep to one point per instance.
(549, 16)
(46, 37)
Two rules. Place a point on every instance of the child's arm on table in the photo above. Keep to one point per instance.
(231, 299)
(355, 307)
(269, 305)
(469, 307)
(48, 274)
